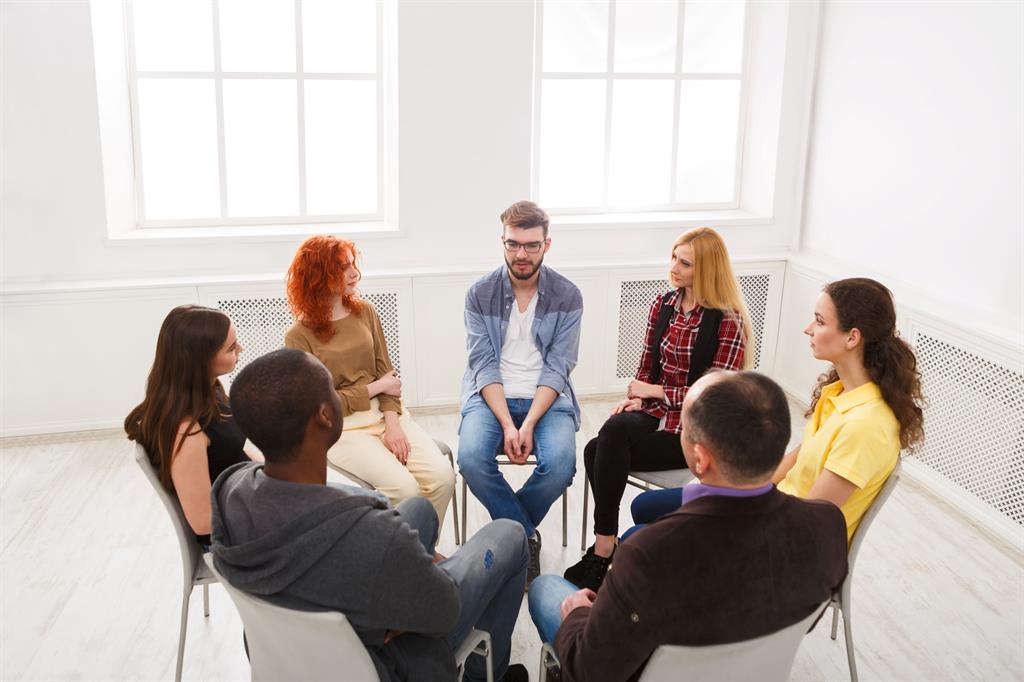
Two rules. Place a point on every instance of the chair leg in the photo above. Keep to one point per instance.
(586, 501)
(181, 633)
(835, 619)
(206, 601)
(489, 663)
(848, 633)
(465, 496)
(455, 502)
(565, 518)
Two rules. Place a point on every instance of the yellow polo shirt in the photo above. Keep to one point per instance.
(854, 435)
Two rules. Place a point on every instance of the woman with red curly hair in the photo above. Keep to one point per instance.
(380, 443)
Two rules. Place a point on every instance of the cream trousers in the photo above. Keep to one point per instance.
(361, 451)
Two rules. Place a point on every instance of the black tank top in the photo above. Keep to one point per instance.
(225, 450)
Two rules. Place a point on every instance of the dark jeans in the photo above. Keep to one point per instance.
(650, 506)
(629, 441)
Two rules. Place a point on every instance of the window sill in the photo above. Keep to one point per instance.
(244, 234)
(673, 219)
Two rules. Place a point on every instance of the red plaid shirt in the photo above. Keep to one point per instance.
(676, 346)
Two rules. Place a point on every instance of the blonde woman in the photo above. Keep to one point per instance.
(380, 444)
(702, 323)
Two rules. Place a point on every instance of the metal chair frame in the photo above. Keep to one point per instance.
(503, 460)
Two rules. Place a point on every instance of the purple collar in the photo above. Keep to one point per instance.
(695, 490)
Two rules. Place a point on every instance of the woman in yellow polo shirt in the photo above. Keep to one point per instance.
(864, 410)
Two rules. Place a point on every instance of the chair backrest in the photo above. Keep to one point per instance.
(872, 512)
(764, 659)
(285, 644)
(191, 551)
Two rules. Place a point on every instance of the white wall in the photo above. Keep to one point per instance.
(465, 71)
(916, 168)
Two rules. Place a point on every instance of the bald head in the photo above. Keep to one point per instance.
(742, 418)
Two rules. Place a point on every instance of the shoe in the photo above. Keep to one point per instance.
(589, 573)
(533, 570)
(516, 673)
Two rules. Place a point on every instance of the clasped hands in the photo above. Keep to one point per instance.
(636, 393)
(518, 442)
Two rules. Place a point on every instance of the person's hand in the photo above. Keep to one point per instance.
(511, 443)
(584, 598)
(639, 389)
(395, 441)
(628, 405)
(525, 441)
(389, 384)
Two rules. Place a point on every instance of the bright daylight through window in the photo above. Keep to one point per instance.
(639, 104)
(256, 111)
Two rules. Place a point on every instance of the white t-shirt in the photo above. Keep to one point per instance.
(521, 362)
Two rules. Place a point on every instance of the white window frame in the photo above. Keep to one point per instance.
(609, 75)
(386, 135)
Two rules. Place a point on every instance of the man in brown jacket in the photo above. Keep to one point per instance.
(737, 560)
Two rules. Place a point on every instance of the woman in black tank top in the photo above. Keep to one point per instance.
(184, 422)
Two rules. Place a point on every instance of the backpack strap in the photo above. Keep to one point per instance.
(664, 315)
(704, 347)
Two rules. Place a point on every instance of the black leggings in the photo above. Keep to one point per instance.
(628, 441)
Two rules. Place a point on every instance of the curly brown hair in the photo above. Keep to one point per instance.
(867, 305)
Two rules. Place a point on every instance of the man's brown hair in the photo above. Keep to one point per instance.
(524, 215)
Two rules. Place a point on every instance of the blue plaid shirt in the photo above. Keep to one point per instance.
(556, 331)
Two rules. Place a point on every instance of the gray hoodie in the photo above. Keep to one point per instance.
(333, 548)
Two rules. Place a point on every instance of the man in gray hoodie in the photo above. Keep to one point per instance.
(281, 532)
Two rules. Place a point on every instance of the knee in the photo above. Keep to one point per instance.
(443, 482)
(406, 488)
(474, 461)
(509, 538)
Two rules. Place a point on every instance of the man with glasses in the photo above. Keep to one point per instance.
(522, 335)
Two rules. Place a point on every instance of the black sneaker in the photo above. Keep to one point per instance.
(533, 570)
(574, 573)
(590, 571)
(516, 673)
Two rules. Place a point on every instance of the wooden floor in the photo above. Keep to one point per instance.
(91, 578)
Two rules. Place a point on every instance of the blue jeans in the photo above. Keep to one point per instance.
(554, 443)
(547, 592)
(490, 573)
(650, 506)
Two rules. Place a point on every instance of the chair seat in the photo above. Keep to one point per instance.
(673, 478)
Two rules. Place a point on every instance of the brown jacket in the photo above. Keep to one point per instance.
(718, 570)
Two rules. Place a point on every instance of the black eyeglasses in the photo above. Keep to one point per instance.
(530, 247)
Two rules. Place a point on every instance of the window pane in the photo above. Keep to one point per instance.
(645, 36)
(173, 35)
(713, 36)
(575, 35)
(339, 36)
(641, 143)
(572, 143)
(708, 121)
(341, 147)
(257, 35)
(261, 147)
(178, 131)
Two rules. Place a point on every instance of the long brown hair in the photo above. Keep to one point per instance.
(180, 386)
(867, 305)
(316, 275)
(714, 284)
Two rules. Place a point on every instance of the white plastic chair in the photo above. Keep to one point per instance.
(841, 599)
(447, 452)
(503, 460)
(763, 659)
(286, 644)
(194, 569)
(670, 478)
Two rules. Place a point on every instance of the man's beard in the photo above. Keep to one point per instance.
(512, 271)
